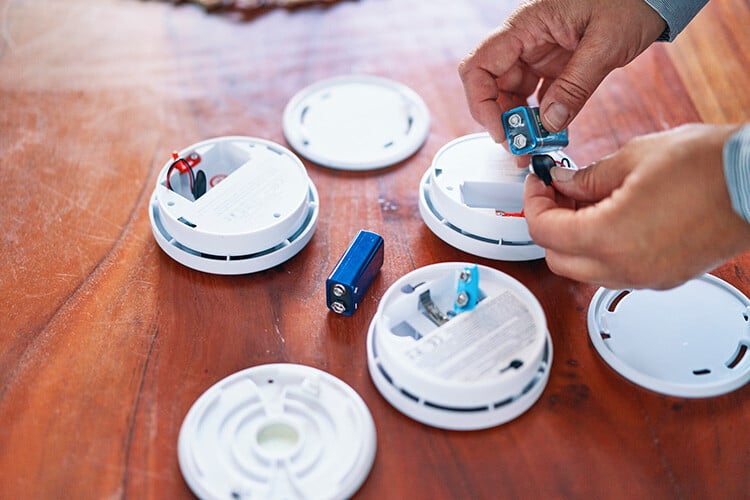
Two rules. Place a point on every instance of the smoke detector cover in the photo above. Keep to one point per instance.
(277, 431)
(356, 122)
(690, 341)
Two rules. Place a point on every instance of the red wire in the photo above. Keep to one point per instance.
(174, 165)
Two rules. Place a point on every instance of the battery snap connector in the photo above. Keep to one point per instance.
(185, 166)
(542, 166)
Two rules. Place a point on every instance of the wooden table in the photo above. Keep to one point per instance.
(106, 341)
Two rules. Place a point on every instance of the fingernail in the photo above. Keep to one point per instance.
(556, 116)
(560, 174)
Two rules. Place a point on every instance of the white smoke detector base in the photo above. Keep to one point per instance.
(482, 368)
(260, 210)
(471, 197)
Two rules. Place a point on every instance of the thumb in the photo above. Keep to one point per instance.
(592, 183)
(566, 94)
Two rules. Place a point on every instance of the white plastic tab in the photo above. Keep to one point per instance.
(478, 369)
(471, 197)
(691, 341)
(279, 431)
(260, 209)
(356, 122)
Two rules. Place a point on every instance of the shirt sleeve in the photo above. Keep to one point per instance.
(677, 14)
(736, 156)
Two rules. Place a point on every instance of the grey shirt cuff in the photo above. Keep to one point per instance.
(677, 14)
(736, 156)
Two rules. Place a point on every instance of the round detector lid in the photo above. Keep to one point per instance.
(277, 431)
(469, 370)
(471, 197)
(356, 122)
(690, 341)
(259, 210)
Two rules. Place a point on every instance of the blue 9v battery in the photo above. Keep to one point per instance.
(354, 272)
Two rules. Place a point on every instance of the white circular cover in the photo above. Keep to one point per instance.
(277, 431)
(356, 122)
(263, 211)
(471, 197)
(482, 368)
(690, 341)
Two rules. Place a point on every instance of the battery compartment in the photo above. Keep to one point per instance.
(260, 207)
(466, 370)
(217, 160)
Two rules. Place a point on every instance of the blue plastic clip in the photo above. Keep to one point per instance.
(467, 294)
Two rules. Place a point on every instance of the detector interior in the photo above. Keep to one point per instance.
(259, 210)
(479, 368)
(356, 122)
(690, 341)
(471, 197)
(277, 431)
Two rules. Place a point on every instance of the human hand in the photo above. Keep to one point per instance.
(653, 215)
(567, 46)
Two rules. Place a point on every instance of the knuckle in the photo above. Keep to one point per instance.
(572, 90)
(464, 66)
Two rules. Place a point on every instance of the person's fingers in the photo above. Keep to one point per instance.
(480, 72)
(592, 183)
(553, 226)
(523, 161)
(580, 268)
(564, 97)
(516, 85)
(571, 239)
(481, 96)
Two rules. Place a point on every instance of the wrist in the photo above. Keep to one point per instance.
(736, 161)
(676, 15)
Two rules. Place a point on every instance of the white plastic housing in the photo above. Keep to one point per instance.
(356, 122)
(482, 368)
(471, 198)
(691, 341)
(278, 431)
(262, 212)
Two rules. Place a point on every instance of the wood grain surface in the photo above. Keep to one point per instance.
(106, 342)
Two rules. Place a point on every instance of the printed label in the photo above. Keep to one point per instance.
(479, 344)
(257, 190)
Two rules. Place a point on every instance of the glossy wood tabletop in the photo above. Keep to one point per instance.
(106, 341)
